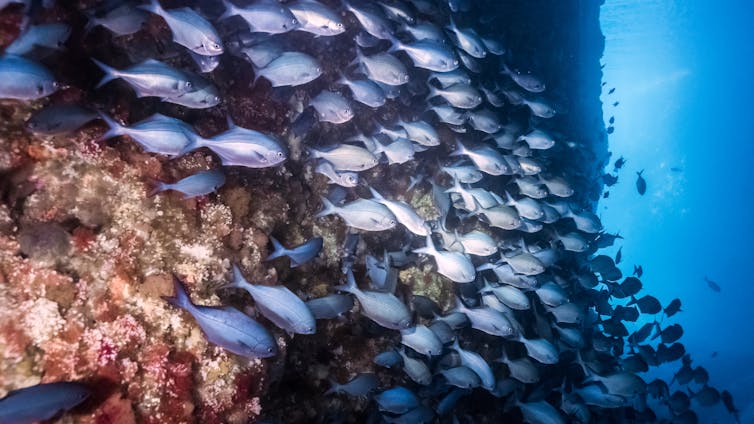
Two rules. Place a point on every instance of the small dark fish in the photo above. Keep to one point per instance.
(359, 386)
(673, 307)
(609, 179)
(59, 119)
(641, 183)
(612, 120)
(641, 334)
(671, 333)
(610, 129)
(647, 304)
(605, 195)
(670, 353)
(630, 286)
(199, 184)
(619, 255)
(625, 313)
(41, 402)
(638, 271)
(425, 307)
(300, 254)
(612, 90)
(676, 169)
(707, 396)
(607, 239)
(616, 104)
(619, 163)
(713, 285)
(388, 359)
(714, 354)
(701, 376)
(397, 400)
(728, 402)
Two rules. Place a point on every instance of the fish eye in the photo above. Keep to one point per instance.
(216, 46)
(188, 84)
(269, 350)
(339, 25)
(280, 154)
(455, 62)
(294, 21)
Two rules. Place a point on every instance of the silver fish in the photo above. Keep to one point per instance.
(23, 79)
(399, 151)
(428, 54)
(487, 320)
(452, 265)
(458, 95)
(330, 306)
(425, 30)
(199, 184)
(261, 54)
(189, 29)
(123, 20)
(485, 120)
(268, 16)
(487, 159)
(205, 63)
(289, 69)
(242, 147)
(60, 119)
(345, 157)
(466, 174)
(383, 68)
(421, 132)
(332, 107)
(421, 339)
(371, 19)
(416, 369)
(363, 214)
(149, 78)
(468, 40)
(405, 214)
(52, 36)
(527, 81)
(278, 304)
(449, 115)
(365, 91)
(463, 377)
(316, 18)
(477, 364)
(360, 386)
(299, 255)
(446, 79)
(341, 178)
(205, 95)
(383, 308)
(156, 134)
(537, 139)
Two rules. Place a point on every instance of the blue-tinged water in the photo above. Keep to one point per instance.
(683, 77)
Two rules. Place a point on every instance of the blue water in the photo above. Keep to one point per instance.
(683, 75)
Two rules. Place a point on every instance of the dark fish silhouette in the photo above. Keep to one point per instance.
(713, 285)
(727, 399)
(673, 307)
(41, 402)
(676, 169)
(612, 90)
(619, 255)
(605, 195)
(616, 104)
(609, 179)
(641, 183)
(612, 120)
(619, 163)
(610, 129)
(638, 270)
(647, 304)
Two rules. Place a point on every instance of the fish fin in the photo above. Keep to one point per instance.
(460, 149)
(350, 286)
(153, 7)
(91, 22)
(279, 250)
(429, 249)
(334, 386)
(327, 208)
(395, 45)
(180, 299)
(375, 194)
(115, 129)
(110, 73)
(196, 142)
(640, 172)
(230, 10)
(229, 121)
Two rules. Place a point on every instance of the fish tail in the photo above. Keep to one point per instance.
(196, 142)
(91, 22)
(115, 129)
(156, 187)
(395, 45)
(153, 6)
(230, 10)
(429, 249)
(181, 298)
(460, 149)
(640, 172)
(279, 251)
(375, 194)
(350, 285)
(334, 386)
(110, 73)
(327, 208)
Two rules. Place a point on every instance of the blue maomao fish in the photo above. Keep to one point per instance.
(332, 107)
(540, 412)
(383, 68)
(420, 415)
(204, 95)
(453, 265)
(398, 151)
(477, 243)
(521, 369)
(448, 114)
(382, 275)
(23, 79)
(424, 30)
(289, 69)
(60, 119)
(397, 11)
(341, 178)
(189, 29)
(199, 184)
(156, 134)
(511, 296)
(262, 53)
(421, 339)
(466, 174)
(447, 79)
(227, 327)
(463, 377)
(405, 214)
(371, 19)
(345, 157)
(462, 96)
(525, 206)
(51, 36)
(149, 78)
(300, 254)
(268, 16)
(494, 46)
(364, 91)
(363, 214)
(540, 350)
(557, 186)
(397, 400)
(316, 18)
(416, 369)
(330, 306)
(486, 158)
(428, 54)
(477, 364)
(122, 20)
(41, 402)
(383, 308)
(485, 120)
(278, 304)
(551, 294)
(531, 187)
(359, 386)
(537, 139)
(239, 146)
